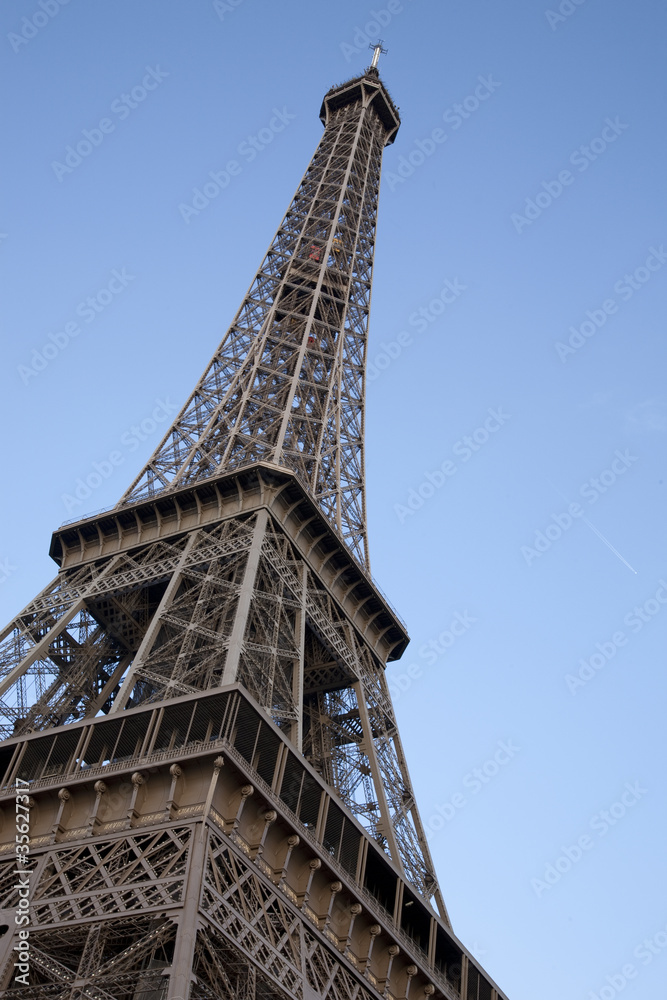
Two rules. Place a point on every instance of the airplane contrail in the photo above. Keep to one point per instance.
(595, 530)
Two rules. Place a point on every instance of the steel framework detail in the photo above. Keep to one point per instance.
(220, 806)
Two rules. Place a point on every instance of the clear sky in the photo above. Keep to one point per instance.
(516, 409)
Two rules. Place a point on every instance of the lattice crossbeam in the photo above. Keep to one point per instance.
(286, 384)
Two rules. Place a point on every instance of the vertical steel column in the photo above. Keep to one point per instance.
(243, 606)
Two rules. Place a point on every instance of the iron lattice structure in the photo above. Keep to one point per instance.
(286, 385)
(223, 614)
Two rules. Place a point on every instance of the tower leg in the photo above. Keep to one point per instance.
(245, 597)
(186, 936)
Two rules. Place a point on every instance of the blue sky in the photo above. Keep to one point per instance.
(518, 302)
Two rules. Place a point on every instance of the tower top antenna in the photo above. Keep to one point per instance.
(378, 50)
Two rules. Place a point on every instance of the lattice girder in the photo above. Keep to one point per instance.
(286, 384)
(236, 602)
(220, 807)
(212, 860)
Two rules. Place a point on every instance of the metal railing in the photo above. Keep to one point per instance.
(366, 573)
(222, 744)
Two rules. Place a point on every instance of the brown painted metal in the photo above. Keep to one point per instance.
(220, 803)
(212, 861)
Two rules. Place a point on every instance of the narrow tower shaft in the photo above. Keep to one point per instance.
(286, 385)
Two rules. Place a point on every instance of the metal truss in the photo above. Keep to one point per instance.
(244, 909)
(110, 913)
(180, 874)
(233, 604)
(286, 384)
(219, 569)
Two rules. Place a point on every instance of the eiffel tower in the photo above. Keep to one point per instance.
(198, 733)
